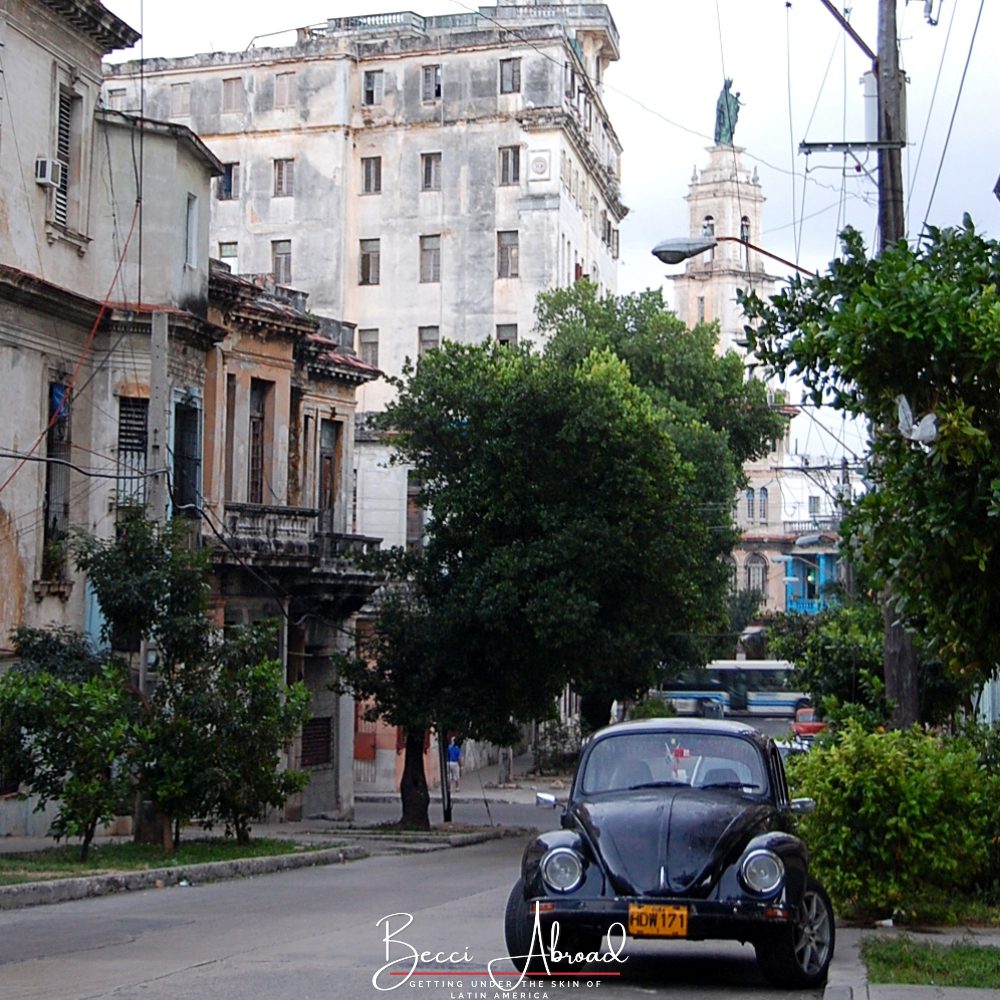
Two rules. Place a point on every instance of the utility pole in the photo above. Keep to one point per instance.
(900, 659)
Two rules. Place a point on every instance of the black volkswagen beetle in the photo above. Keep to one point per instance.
(674, 828)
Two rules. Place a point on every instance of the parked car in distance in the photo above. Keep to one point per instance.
(673, 828)
(807, 723)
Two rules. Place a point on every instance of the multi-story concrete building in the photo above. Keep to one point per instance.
(422, 177)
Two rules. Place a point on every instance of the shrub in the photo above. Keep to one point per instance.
(899, 816)
(652, 708)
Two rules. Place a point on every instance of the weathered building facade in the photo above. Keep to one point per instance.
(423, 177)
(135, 373)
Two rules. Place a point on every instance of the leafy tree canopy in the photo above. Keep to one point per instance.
(922, 323)
(561, 545)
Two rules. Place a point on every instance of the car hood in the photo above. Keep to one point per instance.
(670, 841)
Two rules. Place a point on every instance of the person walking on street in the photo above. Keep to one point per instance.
(454, 764)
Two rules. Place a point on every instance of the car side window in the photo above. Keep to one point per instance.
(780, 783)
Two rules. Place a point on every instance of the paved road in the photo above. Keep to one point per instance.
(314, 934)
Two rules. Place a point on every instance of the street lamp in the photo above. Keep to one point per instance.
(680, 249)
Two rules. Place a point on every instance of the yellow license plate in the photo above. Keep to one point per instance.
(657, 920)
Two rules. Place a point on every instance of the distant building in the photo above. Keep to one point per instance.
(786, 552)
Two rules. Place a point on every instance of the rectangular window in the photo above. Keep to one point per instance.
(507, 245)
(430, 258)
(368, 347)
(431, 85)
(814, 506)
(58, 445)
(427, 339)
(258, 438)
(229, 254)
(64, 153)
(284, 178)
(370, 262)
(316, 742)
(415, 517)
(191, 232)
(371, 174)
(187, 459)
(281, 261)
(506, 333)
(284, 90)
(180, 100)
(232, 93)
(228, 185)
(510, 76)
(372, 87)
(430, 171)
(510, 164)
(133, 430)
(117, 99)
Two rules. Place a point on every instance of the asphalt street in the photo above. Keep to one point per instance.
(316, 933)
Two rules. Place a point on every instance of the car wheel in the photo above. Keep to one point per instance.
(518, 922)
(799, 955)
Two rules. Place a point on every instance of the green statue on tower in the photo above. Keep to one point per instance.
(727, 110)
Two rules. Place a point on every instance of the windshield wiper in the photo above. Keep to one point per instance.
(732, 784)
(659, 784)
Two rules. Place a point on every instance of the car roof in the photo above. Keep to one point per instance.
(726, 727)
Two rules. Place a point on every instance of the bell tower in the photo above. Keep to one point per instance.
(725, 201)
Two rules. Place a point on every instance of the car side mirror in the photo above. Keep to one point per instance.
(802, 807)
(545, 800)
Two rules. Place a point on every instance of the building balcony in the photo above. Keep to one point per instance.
(293, 537)
(826, 522)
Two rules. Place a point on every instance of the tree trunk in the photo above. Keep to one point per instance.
(413, 787)
(900, 672)
(88, 836)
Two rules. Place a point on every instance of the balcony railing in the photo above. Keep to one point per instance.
(827, 522)
(291, 535)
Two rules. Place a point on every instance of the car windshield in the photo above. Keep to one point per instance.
(695, 760)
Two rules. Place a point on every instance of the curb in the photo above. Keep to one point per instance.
(63, 890)
(14, 897)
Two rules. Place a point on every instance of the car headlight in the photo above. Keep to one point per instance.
(762, 872)
(562, 869)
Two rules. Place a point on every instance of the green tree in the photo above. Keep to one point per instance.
(204, 742)
(716, 417)
(252, 723)
(922, 324)
(69, 736)
(562, 546)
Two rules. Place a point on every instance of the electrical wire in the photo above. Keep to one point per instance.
(85, 351)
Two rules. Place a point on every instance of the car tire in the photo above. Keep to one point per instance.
(798, 955)
(518, 922)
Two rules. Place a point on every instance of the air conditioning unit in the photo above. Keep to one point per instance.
(49, 173)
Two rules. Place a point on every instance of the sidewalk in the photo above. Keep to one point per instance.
(848, 978)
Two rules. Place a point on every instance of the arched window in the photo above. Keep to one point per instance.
(762, 503)
(750, 504)
(708, 229)
(755, 573)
